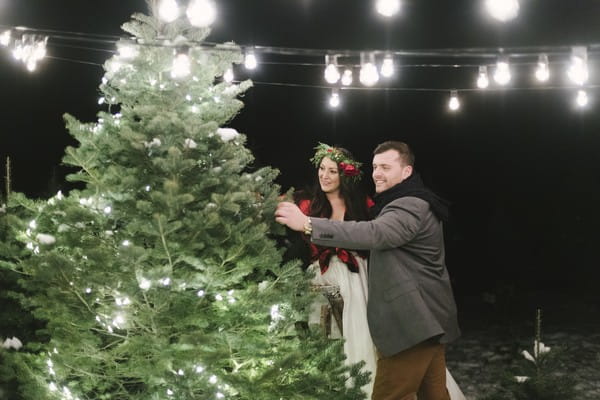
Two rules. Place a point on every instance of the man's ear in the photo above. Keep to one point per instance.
(408, 170)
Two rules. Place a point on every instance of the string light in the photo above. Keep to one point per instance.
(387, 8)
(5, 38)
(168, 10)
(502, 74)
(368, 71)
(482, 78)
(228, 75)
(502, 10)
(332, 73)
(347, 77)
(542, 72)
(202, 13)
(126, 50)
(453, 103)
(181, 65)
(582, 98)
(250, 61)
(578, 70)
(334, 99)
(387, 66)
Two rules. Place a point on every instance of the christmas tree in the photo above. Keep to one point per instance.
(159, 279)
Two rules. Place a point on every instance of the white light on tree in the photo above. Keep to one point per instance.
(502, 73)
(347, 77)
(387, 66)
(332, 73)
(228, 75)
(542, 72)
(482, 78)
(368, 71)
(582, 98)
(202, 13)
(387, 8)
(578, 69)
(168, 10)
(502, 10)
(181, 65)
(453, 103)
(334, 99)
(250, 60)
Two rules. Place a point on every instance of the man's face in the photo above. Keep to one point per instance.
(389, 170)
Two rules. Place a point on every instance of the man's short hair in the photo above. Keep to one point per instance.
(406, 154)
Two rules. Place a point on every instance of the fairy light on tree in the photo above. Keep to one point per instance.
(181, 64)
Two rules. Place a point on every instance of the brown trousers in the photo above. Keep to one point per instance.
(419, 370)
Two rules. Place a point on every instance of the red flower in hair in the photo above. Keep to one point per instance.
(349, 169)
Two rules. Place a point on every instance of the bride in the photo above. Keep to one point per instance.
(337, 196)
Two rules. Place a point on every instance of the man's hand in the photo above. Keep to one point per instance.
(289, 214)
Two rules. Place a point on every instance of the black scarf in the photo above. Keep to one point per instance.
(412, 186)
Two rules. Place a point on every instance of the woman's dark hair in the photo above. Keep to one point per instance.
(351, 191)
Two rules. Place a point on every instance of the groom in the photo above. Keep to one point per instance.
(411, 309)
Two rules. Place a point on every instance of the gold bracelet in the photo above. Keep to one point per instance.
(308, 227)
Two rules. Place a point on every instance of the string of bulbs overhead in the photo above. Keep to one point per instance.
(374, 66)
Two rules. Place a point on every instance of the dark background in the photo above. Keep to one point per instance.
(521, 167)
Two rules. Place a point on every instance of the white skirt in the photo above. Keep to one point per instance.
(358, 345)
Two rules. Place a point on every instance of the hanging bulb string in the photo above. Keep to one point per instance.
(450, 52)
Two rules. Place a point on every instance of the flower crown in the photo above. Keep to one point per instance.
(348, 167)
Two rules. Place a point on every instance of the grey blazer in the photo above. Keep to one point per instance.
(410, 297)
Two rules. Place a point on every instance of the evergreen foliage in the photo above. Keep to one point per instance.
(158, 280)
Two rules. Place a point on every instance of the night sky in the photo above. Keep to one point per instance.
(521, 167)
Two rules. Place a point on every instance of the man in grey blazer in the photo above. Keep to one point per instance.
(411, 308)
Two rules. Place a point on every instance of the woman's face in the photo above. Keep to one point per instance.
(329, 176)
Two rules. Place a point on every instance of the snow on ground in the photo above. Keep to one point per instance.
(489, 344)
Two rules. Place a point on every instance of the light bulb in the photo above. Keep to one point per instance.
(502, 10)
(250, 61)
(181, 66)
(542, 73)
(387, 66)
(368, 71)
(502, 73)
(228, 75)
(334, 99)
(202, 13)
(578, 69)
(482, 79)
(453, 103)
(332, 74)
(126, 50)
(582, 98)
(387, 8)
(5, 38)
(347, 77)
(168, 10)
